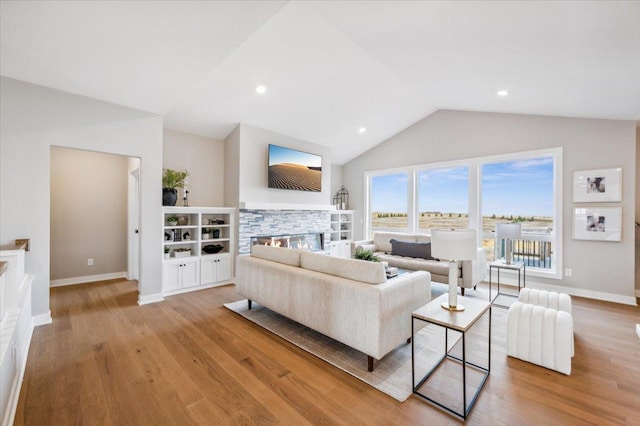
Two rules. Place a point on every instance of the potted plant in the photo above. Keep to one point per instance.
(206, 233)
(166, 252)
(171, 180)
(172, 220)
(366, 255)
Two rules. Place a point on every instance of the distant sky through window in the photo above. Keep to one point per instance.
(523, 187)
(389, 193)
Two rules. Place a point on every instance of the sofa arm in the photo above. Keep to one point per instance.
(474, 271)
(399, 297)
(364, 245)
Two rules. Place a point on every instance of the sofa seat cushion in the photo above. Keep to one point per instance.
(353, 269)
(417, 264)
(277, 254)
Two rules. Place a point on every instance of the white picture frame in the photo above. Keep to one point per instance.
(597, 186)
(597, 223)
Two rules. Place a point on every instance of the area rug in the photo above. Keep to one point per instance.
(391, 374)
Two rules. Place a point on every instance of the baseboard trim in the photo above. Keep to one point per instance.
(588, 294)
(42, 319)
(87, 279)
(152, 298)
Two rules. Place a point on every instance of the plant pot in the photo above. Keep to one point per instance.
(169, 196)
(206, 236)
(172, 222)
(166, 255)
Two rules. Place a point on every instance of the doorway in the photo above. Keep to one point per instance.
(94, 205)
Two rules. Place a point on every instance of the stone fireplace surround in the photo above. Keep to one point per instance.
(270, 222)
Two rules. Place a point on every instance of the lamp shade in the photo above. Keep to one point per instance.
(454, 245)
(510, 231)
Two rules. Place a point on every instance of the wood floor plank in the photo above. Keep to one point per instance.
(188, 360)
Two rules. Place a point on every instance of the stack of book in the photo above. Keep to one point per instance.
(392, 271)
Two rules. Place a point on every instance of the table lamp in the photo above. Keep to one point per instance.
(455, 246)
(508, 232)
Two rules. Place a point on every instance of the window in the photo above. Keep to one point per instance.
(478, 193)
(443, 198)
(388, 202)
(520, 191)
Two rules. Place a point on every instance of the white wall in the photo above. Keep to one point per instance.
(88, 213)
(203, 158)
(35, 118)
(232, 168)
(254, 143)
(600, 269)
(336, 180)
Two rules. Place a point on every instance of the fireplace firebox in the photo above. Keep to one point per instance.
(310, 242)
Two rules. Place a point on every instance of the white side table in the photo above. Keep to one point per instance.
(518, 266)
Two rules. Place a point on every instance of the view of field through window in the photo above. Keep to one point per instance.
(512, 191)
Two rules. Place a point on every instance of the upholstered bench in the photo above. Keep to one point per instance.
(546, 299)
(542, 336)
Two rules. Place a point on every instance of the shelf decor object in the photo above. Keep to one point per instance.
(593, 186)
(341, 199)
(171, 180)
(597, 223)
(456, 245)
(508, 232)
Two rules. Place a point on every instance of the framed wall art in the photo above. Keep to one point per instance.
(593, 186)
(597, 223)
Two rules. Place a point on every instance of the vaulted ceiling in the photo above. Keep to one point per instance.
(330, 67)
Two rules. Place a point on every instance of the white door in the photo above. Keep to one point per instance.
(133, 226)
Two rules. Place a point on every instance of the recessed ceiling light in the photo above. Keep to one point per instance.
(261, 89)
(502, 92)
(362, 130)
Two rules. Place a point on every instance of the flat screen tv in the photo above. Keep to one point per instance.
(293, 169)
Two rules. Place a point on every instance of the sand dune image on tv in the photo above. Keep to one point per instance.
(295, 170)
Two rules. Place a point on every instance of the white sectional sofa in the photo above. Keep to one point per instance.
(470, 272)
(346, 299)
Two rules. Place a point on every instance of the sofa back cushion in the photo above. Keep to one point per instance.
(424, 238)
(352, 269)
(401, 248)
(382, 240)
(277, 254)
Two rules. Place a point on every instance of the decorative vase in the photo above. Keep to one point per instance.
(169, 196)
(183, 220)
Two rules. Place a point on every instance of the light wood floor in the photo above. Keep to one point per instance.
(188, 360)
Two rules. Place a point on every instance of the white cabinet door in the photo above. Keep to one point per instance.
(215, 268)
(334, 248)
(172, 275)
(208, 270)
(345, 248)
(224, 268)
(181, 273)
(190, 273)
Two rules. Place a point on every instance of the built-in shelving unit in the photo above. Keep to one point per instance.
(341, 233)
(199, 249)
